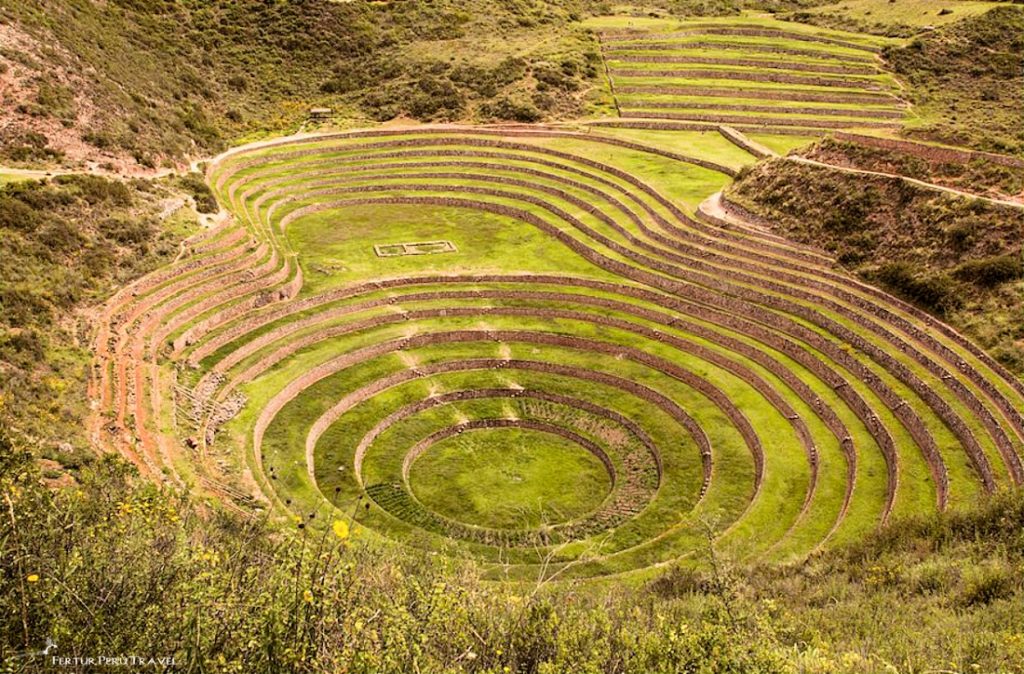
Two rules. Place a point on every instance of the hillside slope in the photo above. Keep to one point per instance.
(966, 81)
(957, 258)
(67, 242)
(135, 84)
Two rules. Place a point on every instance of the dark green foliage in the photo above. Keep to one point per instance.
(991, 271)
(436, 98)
(934, 293)
(126, 231)
(488, 81)
(508, 109)
(997, 522)
(27, 147)
(195, 184)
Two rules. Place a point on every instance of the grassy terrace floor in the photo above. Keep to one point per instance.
(597, 367)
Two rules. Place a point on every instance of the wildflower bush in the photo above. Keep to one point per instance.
(117, 566)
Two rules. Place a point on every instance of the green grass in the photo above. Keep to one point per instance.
(655, 48)
(804, 45)
(916, 14)
(781, 143)
(815, 49)
(636, 100)
(737, 85)
(781, 116)
(20, 176)
(336, 245)
(509, 478)
(709, 144)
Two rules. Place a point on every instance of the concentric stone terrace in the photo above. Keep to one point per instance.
(752, 74)
(594, 369)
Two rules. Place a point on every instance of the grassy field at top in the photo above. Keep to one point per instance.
(667, 25)
(898, 18)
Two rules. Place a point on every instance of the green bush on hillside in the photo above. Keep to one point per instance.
(991, 271)
(195, 184)
(934, 293)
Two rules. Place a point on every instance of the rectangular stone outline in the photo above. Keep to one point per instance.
(414, 248)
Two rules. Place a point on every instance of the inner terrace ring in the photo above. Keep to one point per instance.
(629, 458)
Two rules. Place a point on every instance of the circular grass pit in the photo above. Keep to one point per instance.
(509, 478)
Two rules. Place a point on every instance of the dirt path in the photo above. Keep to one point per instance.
(915, 181)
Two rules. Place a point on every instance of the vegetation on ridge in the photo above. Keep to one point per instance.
(154, 82)
(955, 257)
(68, 242)
(966, 81)
(978, 176)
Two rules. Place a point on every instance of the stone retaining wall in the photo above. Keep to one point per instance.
(749, 76)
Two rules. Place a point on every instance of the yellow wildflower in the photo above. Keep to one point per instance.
(33, 578)
(307, 596)
(340, 529)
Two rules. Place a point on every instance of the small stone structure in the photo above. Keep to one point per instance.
(414, 248)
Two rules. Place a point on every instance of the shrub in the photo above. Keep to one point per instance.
(934, 293)
(509, 110)
(988, 583)
(29, 146)
(97, 189)
(195, 184)
(991, 271)
(16, 214)
(436, 97)
(961, 236)
(126, 231)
